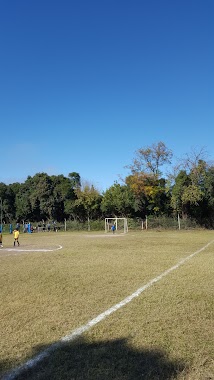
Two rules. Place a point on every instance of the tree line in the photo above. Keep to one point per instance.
(187, 189)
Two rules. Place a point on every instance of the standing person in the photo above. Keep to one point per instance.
(16, 237)
(1, 245)
(113, 228)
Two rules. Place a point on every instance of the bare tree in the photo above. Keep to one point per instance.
(150, 159)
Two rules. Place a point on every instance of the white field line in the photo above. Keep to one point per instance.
(21, 251)
(104, 235)
(79, 331)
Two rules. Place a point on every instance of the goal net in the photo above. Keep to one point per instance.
(120, 225)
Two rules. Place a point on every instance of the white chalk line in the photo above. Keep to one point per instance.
(104, 235)
(21, 251)
(82, 329)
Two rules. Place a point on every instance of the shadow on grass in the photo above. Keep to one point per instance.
(102, 361)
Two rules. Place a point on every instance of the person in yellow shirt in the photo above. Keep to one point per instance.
(16, 237)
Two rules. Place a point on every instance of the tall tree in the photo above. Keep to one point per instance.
(182, 181)
(193, 186)
(22, 203)
(145, 178)
(150, 159)
(118, 201)
(75, 180)
(88, 201)
(41, 193)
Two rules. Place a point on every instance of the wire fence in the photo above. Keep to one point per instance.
(149, 223)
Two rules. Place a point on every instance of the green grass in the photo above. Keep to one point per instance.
(165, 333)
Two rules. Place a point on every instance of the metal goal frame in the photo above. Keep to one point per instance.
(109, 222)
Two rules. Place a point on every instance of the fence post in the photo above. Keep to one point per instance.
(179, 223)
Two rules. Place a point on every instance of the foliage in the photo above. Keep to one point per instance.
(88, 202)
(144, 192)
(118, 201)
(150, 159)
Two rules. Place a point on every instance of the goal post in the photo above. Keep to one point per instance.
(121, 225)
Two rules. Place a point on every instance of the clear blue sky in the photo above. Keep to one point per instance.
(84, 84)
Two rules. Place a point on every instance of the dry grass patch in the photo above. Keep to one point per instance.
(165, 333)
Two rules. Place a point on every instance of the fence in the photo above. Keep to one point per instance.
(149, 223)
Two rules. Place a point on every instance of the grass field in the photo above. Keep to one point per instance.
(54, 283)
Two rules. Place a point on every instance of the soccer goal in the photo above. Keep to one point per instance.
(121, 225)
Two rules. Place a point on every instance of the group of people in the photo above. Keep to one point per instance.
(16, 238)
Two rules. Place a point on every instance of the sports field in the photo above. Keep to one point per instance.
(98, 306)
